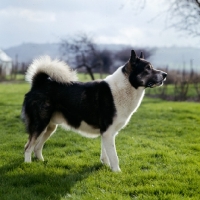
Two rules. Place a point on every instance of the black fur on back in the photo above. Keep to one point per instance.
(91, 102)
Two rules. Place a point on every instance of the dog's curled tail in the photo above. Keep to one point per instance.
(55, 69)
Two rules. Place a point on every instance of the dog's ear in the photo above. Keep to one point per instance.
(133, 56)
(142, 55)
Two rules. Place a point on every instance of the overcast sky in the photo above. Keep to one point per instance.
(108, 21)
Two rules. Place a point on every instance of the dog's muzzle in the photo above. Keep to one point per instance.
(153, 84)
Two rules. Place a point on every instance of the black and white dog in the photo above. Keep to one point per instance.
(94, 108)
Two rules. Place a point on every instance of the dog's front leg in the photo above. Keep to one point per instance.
(108, 142)
(104, 157)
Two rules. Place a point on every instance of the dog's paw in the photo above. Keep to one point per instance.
(116, 169)
(105, 161)
(38, 155)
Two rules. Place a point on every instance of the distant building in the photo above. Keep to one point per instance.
(5, 64)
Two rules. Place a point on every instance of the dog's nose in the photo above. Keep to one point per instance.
(164, 75)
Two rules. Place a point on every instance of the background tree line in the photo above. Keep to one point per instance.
(84, 55)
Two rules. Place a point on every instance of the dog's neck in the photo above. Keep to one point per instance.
(120, 81)
(125, 95)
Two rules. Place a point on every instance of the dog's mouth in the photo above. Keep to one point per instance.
(154, 84)
(157, 83)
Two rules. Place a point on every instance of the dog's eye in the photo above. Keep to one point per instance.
(148, 67)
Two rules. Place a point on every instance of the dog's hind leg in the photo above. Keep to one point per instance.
(108, 141)
(51, 128)
(31, 144)
(29, 147)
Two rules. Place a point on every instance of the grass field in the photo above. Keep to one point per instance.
(159, 153)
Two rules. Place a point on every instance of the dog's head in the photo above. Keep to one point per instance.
(141, 72)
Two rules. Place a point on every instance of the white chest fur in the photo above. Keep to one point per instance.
(126, 98)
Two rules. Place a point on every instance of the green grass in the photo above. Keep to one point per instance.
(159, 153)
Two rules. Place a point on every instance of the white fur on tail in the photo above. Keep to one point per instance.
(57, 70)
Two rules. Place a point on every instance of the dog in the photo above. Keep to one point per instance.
(96, 108)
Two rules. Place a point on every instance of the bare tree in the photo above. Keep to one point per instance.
(83, 51)
(183, 15)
